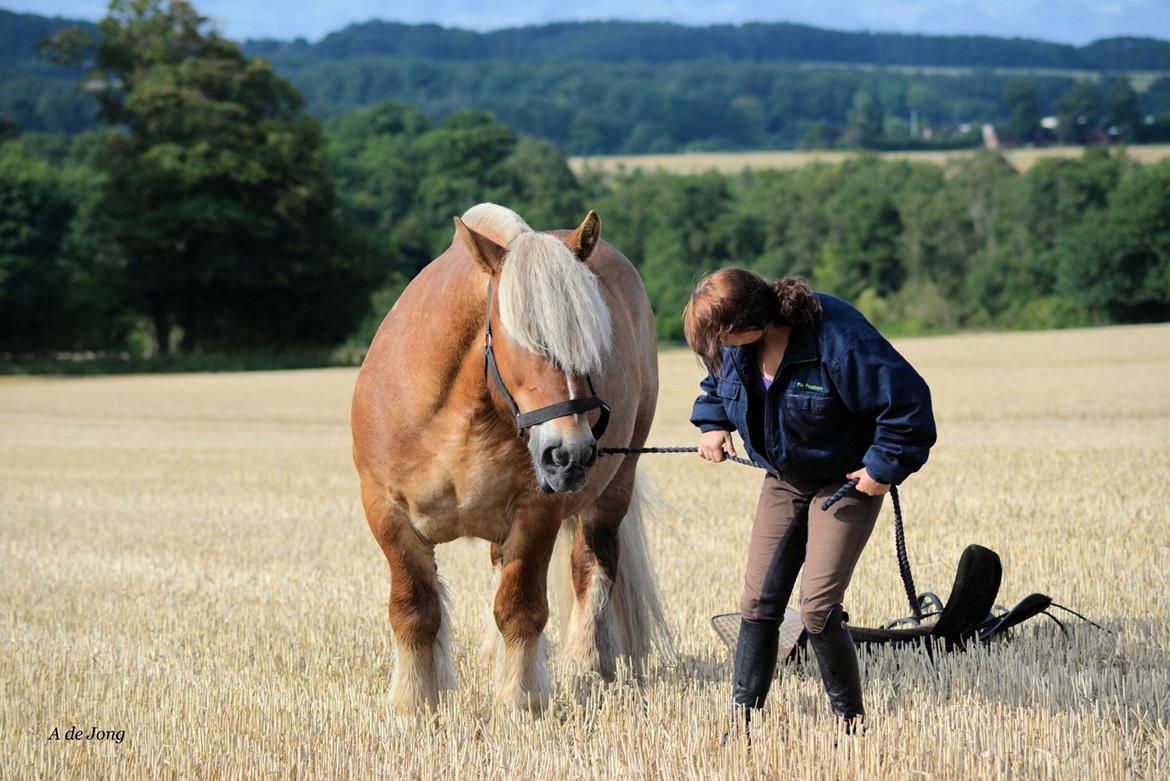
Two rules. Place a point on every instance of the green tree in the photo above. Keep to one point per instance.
(865, 122)
(1060, 193)
(1116, 264)
(217, 190)
(401, 180)
(988, 188)
(1020, 98)
(538, 183)
(1078, 108)
(675, 229)
(377, 173)
(937, 240)
(1124, 116)
(35, 212)
(462, 161)
(860, 251)
(8, 128)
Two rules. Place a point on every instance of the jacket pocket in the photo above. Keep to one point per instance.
(729, 389)
(808, 404)
(813, 421)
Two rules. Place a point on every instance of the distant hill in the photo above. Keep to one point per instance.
(20, 34)
(35, 94)
(660, 42)
(632, 87)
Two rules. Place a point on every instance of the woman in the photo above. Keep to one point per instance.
(818, 397)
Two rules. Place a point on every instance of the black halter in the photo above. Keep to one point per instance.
(526, 420)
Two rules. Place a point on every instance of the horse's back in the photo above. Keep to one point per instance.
(406, 377)
(638, 342)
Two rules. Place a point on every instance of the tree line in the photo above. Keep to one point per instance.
(591, 108)
(919, 247)
(214, 214)
(615, 87)
(663, 42)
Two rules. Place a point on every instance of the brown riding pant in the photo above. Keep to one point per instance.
(791, 530)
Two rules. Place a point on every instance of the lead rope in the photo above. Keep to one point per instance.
(899, 543)
(899, 531)
(611, 451)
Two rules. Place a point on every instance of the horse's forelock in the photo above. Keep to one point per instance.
(498, 223)
(551, 303)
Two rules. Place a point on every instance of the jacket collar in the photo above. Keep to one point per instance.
(802, 348)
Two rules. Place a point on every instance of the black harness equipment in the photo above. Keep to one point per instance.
(525, 420)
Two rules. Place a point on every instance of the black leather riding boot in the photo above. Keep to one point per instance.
(837, 657)
(755, 665)
(755, 661)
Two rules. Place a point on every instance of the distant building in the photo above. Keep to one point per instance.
(96, 84)
(990, 137)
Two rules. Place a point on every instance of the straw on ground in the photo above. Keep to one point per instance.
(184, 558)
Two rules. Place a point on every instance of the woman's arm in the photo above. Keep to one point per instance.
(708, 413)
(709, 416)
(876, 382)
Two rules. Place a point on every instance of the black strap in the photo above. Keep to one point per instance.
(561, 409)
(558, 410)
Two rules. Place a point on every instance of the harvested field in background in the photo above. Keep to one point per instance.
(735, 162)
(1140, 79)
(184, 558)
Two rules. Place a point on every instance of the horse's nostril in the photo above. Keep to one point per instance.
(562, 457)
(555, 456)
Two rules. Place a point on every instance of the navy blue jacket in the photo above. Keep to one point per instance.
(842, 397)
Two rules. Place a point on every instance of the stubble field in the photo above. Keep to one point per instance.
(735, 162)
(183, 558)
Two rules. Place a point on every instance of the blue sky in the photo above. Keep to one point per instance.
(1073, 21)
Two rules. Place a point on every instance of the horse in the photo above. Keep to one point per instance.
(510, 319)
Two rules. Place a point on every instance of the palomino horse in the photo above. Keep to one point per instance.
(471, 419)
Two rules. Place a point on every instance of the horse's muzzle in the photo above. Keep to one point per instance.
(564, 467)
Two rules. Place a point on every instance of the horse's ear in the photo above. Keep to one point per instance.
(486, 252)
(582, 241)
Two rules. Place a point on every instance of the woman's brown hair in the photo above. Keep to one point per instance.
(734, 299)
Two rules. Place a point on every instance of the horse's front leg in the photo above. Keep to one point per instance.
(423, 669)
(521, 612)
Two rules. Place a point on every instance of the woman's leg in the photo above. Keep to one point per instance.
(775, 554)
(835, 540)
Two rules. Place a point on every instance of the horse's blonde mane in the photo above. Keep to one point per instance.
(550, 302)
(498, 223)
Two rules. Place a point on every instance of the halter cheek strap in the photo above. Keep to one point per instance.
(525, 420)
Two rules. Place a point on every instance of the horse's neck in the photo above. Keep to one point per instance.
(450, 333)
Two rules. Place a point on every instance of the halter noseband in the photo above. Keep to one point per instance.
(525, 420)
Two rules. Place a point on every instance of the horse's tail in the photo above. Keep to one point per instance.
(637, 614)
(560, 575)
(636, 599)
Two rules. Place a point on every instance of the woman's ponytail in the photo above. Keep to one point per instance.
(796, 304)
